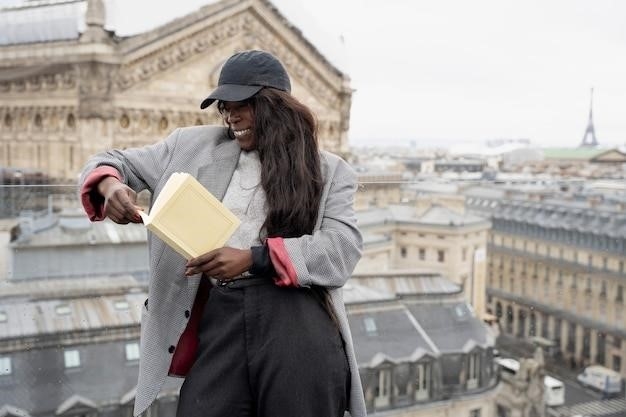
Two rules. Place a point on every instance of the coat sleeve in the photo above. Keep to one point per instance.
(140, 168)
(328, 256)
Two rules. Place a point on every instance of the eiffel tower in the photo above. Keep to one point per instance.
(589, 139)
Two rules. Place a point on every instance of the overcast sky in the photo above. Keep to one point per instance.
(459, 70)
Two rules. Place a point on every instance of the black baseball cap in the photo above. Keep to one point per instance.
(245, 74)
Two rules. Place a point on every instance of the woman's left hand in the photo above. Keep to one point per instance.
(222, 263)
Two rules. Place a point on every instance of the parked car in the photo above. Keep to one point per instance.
(601, 379)
(554, 391)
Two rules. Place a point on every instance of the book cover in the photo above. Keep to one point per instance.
(187, 217)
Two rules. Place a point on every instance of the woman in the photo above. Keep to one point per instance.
(258, 327)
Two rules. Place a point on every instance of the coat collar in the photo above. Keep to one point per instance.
(216, 174)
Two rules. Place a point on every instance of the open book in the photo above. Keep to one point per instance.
(186, 216)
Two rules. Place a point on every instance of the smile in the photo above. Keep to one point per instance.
(240, 133)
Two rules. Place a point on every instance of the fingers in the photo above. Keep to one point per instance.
(203, 263)
(222, 263)
(120, 205)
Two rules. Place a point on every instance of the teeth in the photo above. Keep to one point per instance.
(239, 133)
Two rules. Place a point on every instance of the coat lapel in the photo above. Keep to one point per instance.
(216, 175)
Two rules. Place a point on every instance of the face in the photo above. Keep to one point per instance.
(240, 119)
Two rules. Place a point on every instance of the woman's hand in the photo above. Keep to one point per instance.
(119, 201)
(223, 263)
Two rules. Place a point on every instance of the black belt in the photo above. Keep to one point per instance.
(243, 282)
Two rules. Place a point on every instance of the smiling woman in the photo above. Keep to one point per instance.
(265, 311)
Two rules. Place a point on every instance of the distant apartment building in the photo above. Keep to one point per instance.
(430, 234)
(70, 348)
(585, 162)
(48, 245)
(422, 351)
(556, 271)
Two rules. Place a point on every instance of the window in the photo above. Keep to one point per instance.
(383, 388)
(422, 254)
(132, 351)
(617, 363)
(402, 379)
(464, 254)
(617, 342)
(3, 317)
(370, 326)
(619, 297)
(422, 381)
(475, 412)
(441, 256)
(473, 370)
(72, 358)
(120, 305)
(5, 366)
(63, 309)
(403, 252)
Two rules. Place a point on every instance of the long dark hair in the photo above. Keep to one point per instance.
(291, 176)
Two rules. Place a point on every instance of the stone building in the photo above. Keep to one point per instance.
(556, 271)
(70, 88)
(432, 234)
(422, 351)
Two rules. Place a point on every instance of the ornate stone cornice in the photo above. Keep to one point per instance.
(62, 79)
(45, 119)
(139, 122)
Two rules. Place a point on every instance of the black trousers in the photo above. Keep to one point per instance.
(266, 351)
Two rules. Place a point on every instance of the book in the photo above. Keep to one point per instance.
(187, 217)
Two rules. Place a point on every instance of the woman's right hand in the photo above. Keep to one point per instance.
(119, 201)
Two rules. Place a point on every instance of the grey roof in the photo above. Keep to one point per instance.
(74, 229)
(565, 216)
(41, 21)
(433, 187)
(355, 293)
(440, 215)
(10, 411)
(387, 335)
(436, 215)
(410, 283)
(372, 216)
(67, 287)
(452, 326)
(42, 384)
(375, 238)
(484, 192)
(37, 318)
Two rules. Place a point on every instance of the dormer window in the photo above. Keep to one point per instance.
(370, 326)
(63, 309)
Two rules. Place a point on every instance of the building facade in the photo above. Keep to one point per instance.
(67, 92)
(556, 271)
(431, 234)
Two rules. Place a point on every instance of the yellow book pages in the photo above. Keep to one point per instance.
(187, 217)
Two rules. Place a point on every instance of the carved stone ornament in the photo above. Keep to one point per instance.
(179, 52)
(48, 82)
(95, 89)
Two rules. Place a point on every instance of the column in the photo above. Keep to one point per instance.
(593, 345)
(564, 335)
(578, 346)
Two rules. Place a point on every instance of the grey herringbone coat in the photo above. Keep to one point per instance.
(326, 258)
